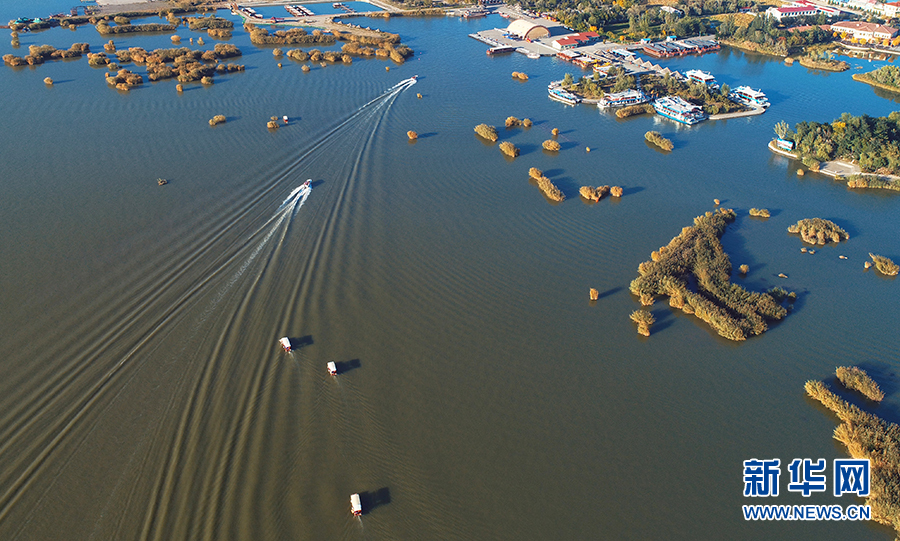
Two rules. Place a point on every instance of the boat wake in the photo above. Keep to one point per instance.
(176, 345)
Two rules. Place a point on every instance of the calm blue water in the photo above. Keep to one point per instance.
(323, 8)
(484, 397)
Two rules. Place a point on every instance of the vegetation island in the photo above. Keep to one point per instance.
(885, 77)
(696, 256)
(818, 231)
(872, 143)
(856, 379)
(657, 139)
(596, 86)
(867, 436)
(885, 265)
(551, 191)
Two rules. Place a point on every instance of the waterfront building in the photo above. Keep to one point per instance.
(801, 8)
(523, 29)
(863, 30)
(575, 40)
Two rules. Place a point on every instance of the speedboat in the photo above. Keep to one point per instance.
(285, 344)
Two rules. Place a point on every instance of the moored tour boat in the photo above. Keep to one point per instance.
(748, 96)
(622, 99)
(679, 110)
(702, 77)
(559, 94)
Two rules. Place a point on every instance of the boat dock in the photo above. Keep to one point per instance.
(752, 112)
(299, 11)
(668, 49)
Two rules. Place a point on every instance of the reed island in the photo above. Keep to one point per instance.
(696, 256)
(866, 436)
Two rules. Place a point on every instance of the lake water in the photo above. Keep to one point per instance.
(143, 394)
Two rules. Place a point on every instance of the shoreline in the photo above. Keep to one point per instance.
(859, 77)
(836, 169)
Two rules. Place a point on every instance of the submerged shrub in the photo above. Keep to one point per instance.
(550, 190)
(857, 379)
(616, 191)
(657, 139)
(593, 194)
(48, 81)
(519, 75)
(885, 265)
(218, 119)
(551, 145)
(487, 132)
(512, 122)
(535, 173)
(527, 122)
(594, 294)
(509, 149)
(818, 231)
(744, 269)
(760, 213)
(633, 110)
(643, 319)
(412, 135)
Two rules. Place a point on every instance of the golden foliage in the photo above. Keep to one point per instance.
(760, 213)
(487, 132)
(551, 145)
(512, 122)
(550, 190)
(633, 110)
(818, 231)
(519, 75)
(509, 149)
(857, 379)
(594, 294)
(644, 320)
(48, 81)
(593, 194)
(696, 255)
(744, 268)
(657, 139)
(527, 123)
(554, 132)
(535, 173)
(616, 191)
(412, 135)
(867, 436)
(884, 265)
(218, 119)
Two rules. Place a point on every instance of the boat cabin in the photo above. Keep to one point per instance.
(286, 344)
(355, 505)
